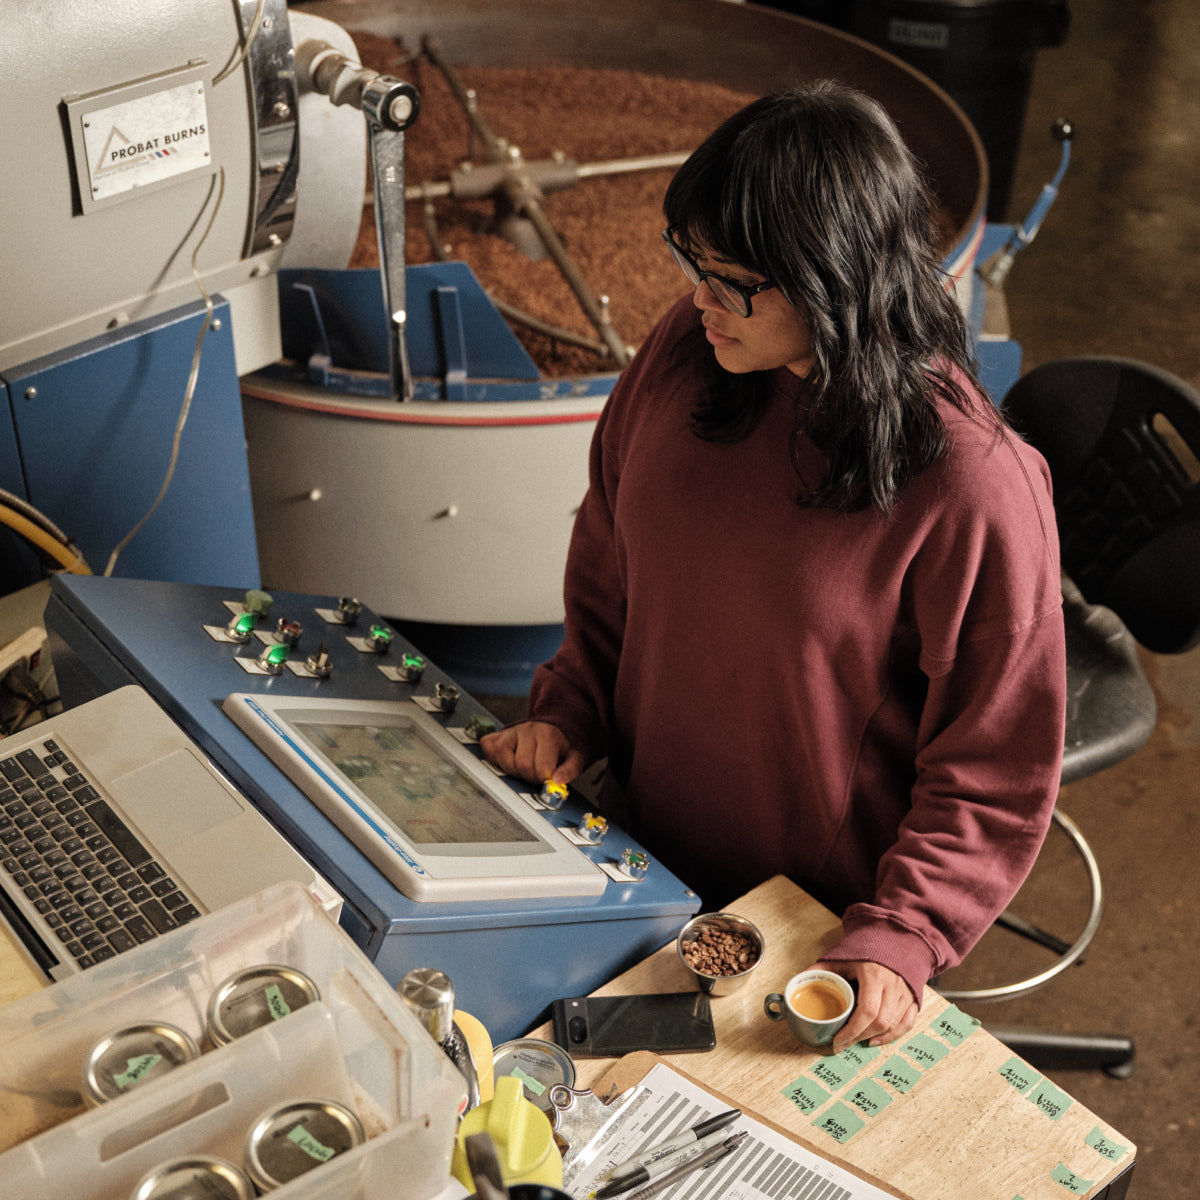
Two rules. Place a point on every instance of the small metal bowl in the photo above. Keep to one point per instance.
(719, 985)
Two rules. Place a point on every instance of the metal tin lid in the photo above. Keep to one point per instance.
(287, 1141)
(132, 1055)
(255, 997)
(538, 1064)
(195, 1177)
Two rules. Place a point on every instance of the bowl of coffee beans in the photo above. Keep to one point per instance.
(720, 950)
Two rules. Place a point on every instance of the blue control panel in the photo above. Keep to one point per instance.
(508, 958)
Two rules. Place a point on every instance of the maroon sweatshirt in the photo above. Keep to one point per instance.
(871, 706)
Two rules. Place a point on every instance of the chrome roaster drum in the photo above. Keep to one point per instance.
(451, 513)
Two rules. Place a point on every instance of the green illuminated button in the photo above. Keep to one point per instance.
(241, 626)
(380, 637)
(272, 658)
(412, 667)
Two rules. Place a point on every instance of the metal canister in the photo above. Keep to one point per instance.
(254, 997)
(133, 1055)
(195, 1177)
(539, 1065)
(296, 1137)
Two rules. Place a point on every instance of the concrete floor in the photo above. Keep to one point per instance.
(1116, 270)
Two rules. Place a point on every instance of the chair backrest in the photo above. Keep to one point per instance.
(1122, 439)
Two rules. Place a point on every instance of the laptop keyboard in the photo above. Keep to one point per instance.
(78, 865)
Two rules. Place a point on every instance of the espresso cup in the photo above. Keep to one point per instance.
(815, 1004)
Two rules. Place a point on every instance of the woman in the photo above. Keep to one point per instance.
(813, 607)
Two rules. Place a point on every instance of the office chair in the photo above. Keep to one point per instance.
(1122, 440)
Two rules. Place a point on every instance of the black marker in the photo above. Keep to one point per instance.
(669, 1154)
(702, 1162)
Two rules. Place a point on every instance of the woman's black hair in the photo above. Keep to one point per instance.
(814, 189)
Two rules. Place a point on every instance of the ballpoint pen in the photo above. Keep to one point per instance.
(686, 1138)
(728, 1146)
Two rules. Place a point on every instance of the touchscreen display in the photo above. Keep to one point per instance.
(425, 795)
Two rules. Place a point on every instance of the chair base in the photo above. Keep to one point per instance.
(1073, 1051)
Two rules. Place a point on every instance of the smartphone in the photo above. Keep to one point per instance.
(607, 1026)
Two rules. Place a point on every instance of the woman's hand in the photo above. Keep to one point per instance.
(533, 751)
(885, 1009)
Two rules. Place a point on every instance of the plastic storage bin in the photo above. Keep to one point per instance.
(359, 1044)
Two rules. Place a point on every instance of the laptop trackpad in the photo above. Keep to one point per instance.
(174, 798)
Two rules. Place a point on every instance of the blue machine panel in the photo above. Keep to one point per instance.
(94, 427)
(508, 958)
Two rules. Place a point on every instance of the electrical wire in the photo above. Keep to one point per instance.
(190, 390)
(59, 550)
(193, 374)
(251, 34)
(39, 518)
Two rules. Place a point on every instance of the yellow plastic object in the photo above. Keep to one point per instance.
(522, 1133)
(480, 1042)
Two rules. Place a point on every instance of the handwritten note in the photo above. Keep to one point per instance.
(1113, 1151)
(899, 1073)
(1072, 1182)
(806, 1094)
(839, 1122)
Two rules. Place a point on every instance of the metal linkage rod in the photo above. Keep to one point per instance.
(390, 107)
(520, 195)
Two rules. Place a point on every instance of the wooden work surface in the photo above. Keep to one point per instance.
(17, 977)
(963, 1131)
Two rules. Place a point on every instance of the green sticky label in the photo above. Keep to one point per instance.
(806, 1094)
(534, 1085)
(1072, 1182)
(834, 1071)
(954, 1025)
(136, 1069)
(1113, 1151)
(869, 1097)
(1019, 1074)
(858, 1056)
(840, 1123)
(309, 1144)
(1050, 1100)
(924, 1051)
(899, 1073)
(276, 1004)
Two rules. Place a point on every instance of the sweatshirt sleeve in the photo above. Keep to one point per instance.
(989, 747)
(574, 690)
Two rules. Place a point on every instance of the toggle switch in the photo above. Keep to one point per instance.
(318, 662)
(379, 638)
(445, 697)
(348, 609)
(288, 632)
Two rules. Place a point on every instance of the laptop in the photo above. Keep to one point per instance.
(115, 829)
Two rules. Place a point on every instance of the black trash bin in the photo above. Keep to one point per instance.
(980, 51)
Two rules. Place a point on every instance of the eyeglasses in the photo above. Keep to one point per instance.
(734, 296)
